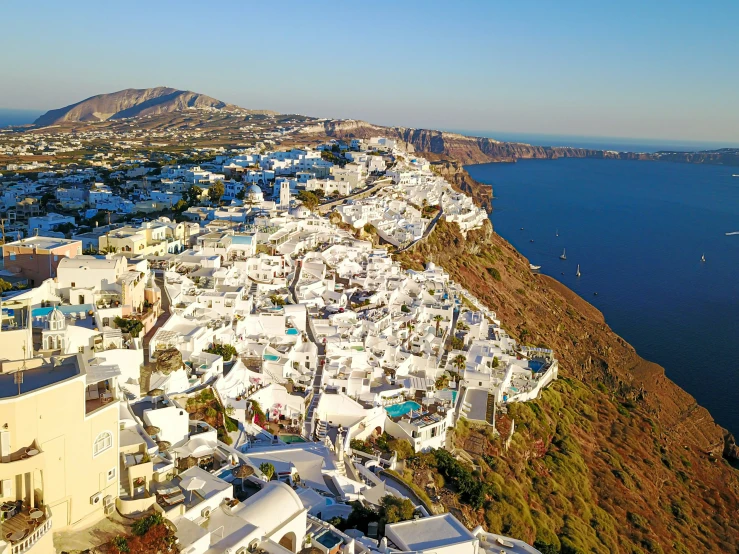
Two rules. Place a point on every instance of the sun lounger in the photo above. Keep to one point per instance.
(174, 499)
(168, 491)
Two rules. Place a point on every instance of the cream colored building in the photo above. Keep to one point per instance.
(58, 447)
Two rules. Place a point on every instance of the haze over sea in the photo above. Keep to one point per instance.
(638, 230)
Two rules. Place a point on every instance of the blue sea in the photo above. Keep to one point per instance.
(619, 144)
(638, 231)
(17, 117)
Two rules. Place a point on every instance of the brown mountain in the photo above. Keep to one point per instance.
(131, 103)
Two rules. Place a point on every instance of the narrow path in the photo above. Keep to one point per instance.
(426, 233)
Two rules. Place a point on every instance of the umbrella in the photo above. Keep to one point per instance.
(192, 484)
(242, 472)
(186, 463)
(152, 430)
(164, 445)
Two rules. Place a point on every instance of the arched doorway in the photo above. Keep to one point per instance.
(288, 541)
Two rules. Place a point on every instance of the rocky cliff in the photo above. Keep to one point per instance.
(614, 457)
(131, 103)
(469, 150)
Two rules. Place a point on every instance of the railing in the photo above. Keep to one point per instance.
(27, 543)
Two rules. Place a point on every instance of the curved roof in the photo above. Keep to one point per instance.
(271, 507)
(255, 189)
(300, 211)
(56, 315)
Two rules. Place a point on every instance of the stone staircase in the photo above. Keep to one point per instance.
(321, 430)
(490, 410)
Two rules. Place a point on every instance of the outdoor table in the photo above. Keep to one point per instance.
(36, 514)
(17, 535)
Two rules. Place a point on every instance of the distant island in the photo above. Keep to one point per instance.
(131, 103)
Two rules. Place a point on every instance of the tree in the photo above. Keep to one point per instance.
(4, 285)
(393, 510)
(402, 447)
(459, 362)
(193, 194)
(496, 361)
(456, 343)
(442, 382)
(181, 206)
(216, 191)
(410, 328)
(438, 319)
(131, 326)
(277, 300)
(309, 199)
(268, 470)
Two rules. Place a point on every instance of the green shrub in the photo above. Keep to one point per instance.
(225, 351)
(494, 273)
(141, 526)
(120, 543)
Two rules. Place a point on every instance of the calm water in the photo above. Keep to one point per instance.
(638, 230)
(619, 144)
(17, 117)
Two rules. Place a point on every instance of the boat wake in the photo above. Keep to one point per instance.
(732, 233)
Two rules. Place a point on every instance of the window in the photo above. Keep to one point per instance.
(111, 474)
(73, 284)
(81, 350)
(12, 255)
(103, 442)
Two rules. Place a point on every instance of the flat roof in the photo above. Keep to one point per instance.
(429, 532)
(46, 243)
(39, 377)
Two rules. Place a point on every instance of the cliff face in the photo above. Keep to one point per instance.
(461, 181)
(130, 103)
(470, 150)
(615, 457)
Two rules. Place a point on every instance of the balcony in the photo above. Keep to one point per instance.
(23, 530)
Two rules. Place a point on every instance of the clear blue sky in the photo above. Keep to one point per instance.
(631, 69)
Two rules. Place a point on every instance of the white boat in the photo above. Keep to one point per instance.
(703, 258)
(564, 254)
(577, 273)
(556, 233)
(732, 233)
(533, 267)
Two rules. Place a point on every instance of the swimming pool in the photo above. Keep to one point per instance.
(291, 331)
(271, 357)
(290, 439)
(535, 365)
(403, 408)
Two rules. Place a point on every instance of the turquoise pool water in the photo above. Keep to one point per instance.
(290, 439)
(403, 408)
(271, 357)
(292, 331)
